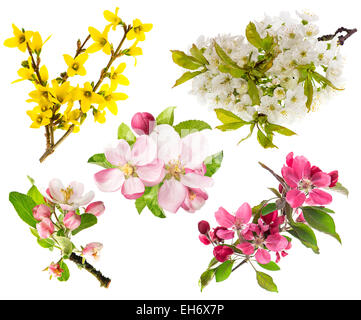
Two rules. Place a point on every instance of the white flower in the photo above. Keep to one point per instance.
(270, 107)
(307, 16)
(279, 93)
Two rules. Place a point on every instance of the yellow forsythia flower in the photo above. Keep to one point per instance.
(138, 30)
(26, 73)
(116, 76)
(87, 96)
(37, 42)
(39, 117)
(42, 93)
(62, 93)
(101, 40)
(110, 98)
(20, 40)
(113, 18)
(76, 66)
(99, 116)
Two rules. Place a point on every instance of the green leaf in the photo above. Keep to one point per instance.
(253, 36)
(213, 163)
(166, 116)
(24, 205)
(185, 61)
(305, 235)
(32, 181)
(340, 188)
(100, 160)
(269, 208)
(272, 266)
(140, 204)
(197, 54)
(186, 127)
(213, 262)
(251, 128)
(264, 141)
(308, 90)
(65, 245)
(45, 243)
(151, 199)
(321, 221)
(87, 220)
(253, 93)
(226, 116)
(266, 282)
(323, 80)
(188, 76)
(206, 278)
(230, 126)
(275, 192)
(267, 43)
(124, 132)
(65, 274)
(234, 72)
(224, 57)
(35, 194)
(224, 270)
(270, 127)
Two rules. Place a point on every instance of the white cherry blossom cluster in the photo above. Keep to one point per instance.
(282, 94)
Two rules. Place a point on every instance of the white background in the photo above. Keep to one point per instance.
(146, 257)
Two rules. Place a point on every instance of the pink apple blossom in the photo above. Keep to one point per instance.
(41, 211)
(136, 168)
(183, 158)
(72, 220)
(45, 228)
(55, 270)
(305, 183)
(71, 197)
(222, 253)
(92, 250)
(143, 123)
(96, 208)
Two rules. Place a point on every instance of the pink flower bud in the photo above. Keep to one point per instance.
(92, 250)
(55, 270)
(143, 123)
(222, 253)
(334, 178)
(71, 220)
(204, 239)
(96, 208)
(45, 228)
(203, 227)
(41, 211)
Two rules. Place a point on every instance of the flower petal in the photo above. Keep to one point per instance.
(319, 197)
(246, 247)
(152, 174)
(263, 256)
(290, 177)
(120, 155)
(55, 187)
(243, 214)
(275, 242)
(194, 180)
(133, 188)
(224, 218)
(225, 234)
(109, 180)
(301, 167)
(144, 151)
(295, 198)
(171, 195)
(194, 150)
(321, 180)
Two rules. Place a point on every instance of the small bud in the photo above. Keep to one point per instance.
(41, 211)
(96, 208)
(203, 227)
(334, 178)
(71, 220)
(143, 123)
(45, 228)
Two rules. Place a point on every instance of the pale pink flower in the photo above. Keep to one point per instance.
(183, 158)
(96, 208)
(41, 211)
(71, 197)
(72, 220)
(143, 123)
(305, 182)
(135, 169)
(92, 250)
(55, 270)
(45, 228)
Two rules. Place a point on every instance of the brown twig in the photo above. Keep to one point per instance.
(78, 260)
(341, 38)
(104, 71)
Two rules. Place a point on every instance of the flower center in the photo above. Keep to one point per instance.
(88, 94)
(258, 241)
(75, 66)
(68, 192)
(103, 42)
(128, 170)
(138, 29)
(192, 195)
(175, 169)
(22, 39)
(305, 185)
